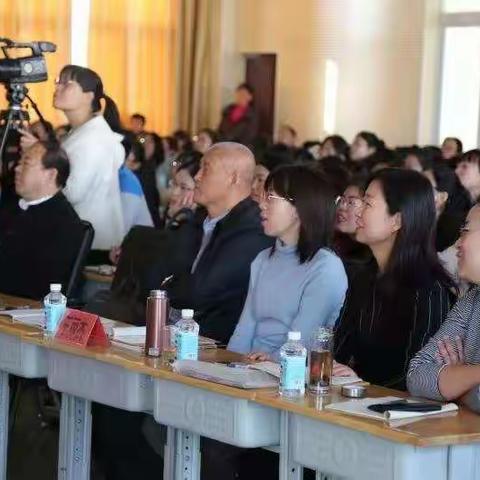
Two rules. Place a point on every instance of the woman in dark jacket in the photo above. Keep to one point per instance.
(400, 298)
(239, 120)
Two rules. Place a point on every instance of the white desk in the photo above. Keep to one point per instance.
(16, 358)
(445, 447)
(191, 412)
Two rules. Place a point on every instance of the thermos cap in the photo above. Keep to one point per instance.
(158, 293)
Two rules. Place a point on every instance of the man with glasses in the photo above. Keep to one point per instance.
(41, 235)
(217, 284)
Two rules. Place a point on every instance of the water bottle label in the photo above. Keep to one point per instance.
(53, 316)
(292, 374)
(187, 345)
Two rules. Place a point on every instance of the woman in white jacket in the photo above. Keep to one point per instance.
(95, 152)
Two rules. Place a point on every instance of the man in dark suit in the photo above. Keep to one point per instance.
(233, 235)
(40, 236)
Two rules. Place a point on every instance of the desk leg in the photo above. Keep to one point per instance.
(4, 407)
(187, 455)
(75, 438)
(288, 469)
(169, 455)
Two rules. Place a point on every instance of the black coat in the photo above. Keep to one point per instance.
(244, 131)
(218, 287)
(38, 246)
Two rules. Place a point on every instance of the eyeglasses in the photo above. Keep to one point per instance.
(270, 196)
(349, 202)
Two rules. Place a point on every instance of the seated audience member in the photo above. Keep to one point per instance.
(275, 157)
(335, 146)
(232, 237)
(468, 172)
(314, 147)
(183, 141)
(239, 121)
(349, 206)
(449, 218)
(418, 159)
(299, 211)
(337, 173)
(205, 138)
(452, 148)
(40, 237)
(366, 150)
(398, 301)
(287, 136)
(448, 367)
(134, 205)
(182, 187)
(137, 124)
(145, 171)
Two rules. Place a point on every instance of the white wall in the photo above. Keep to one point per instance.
(377, 45)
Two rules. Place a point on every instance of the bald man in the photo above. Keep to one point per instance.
(217, 284)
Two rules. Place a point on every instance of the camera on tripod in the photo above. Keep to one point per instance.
(29, 69)
(14, 74)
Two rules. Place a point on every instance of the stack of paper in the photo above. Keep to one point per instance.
(360, 408)
(28, 316)
(219, 373)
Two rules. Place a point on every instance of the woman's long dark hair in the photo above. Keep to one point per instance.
(311, 194)
(413, 262)
(90, 81)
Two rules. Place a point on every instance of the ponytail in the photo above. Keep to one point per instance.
(112, 115)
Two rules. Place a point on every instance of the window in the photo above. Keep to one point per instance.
(460, 88)
(457, 6)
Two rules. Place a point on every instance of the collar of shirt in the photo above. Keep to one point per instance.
(24, 204)
(209, 224)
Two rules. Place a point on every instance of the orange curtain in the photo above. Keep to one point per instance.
(32, 20)
(132, 46)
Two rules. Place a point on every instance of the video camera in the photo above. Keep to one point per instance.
(30, 69)
(14, 74)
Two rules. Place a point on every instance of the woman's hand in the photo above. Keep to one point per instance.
(258, 357)
(450, 352)
(179, 202)
(27, 139)
(340, 370)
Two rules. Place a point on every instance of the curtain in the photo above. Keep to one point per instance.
(132, 46)
(198, 92)
(32, 20)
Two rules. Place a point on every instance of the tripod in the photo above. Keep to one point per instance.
(14, 115)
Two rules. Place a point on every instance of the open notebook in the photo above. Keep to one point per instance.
(360, 408)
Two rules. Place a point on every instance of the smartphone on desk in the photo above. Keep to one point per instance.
(405, 406)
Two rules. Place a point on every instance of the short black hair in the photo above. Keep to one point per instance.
(277, 155)
(56, 157)
(458, 143)
(139, 116)
(246, 86)
(312, 195)
(189, 161)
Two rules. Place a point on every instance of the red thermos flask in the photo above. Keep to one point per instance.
(157, 317)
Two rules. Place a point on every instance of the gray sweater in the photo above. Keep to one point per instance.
(284, 295)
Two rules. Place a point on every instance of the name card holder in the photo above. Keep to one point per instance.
(82, 329)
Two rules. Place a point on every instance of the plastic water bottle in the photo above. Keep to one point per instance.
(293, 360)
(186, 337)
(55, 305)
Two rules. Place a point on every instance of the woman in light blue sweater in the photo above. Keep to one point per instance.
(299, 284)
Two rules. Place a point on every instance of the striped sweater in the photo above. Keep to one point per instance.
(464, 321)
(380, 332)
